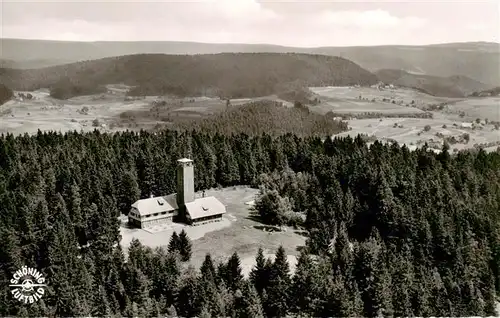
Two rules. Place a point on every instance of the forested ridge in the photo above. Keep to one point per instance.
(392, 232)
(264, 116)
(228, 75)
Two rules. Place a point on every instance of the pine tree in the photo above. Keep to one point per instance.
(304, 288)
(259, 275)
(278, 292)
(102, 307)
(207, 269)
(128, 191)
(184, 246)
(174, 243)
(233, 272)
(188, 304)
(247, 302)
(209, 297)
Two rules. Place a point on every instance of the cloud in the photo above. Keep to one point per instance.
(284, 22)
(477, 26)
(378, 19)
(247, 9)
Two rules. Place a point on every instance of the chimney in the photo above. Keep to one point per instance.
(185, 181)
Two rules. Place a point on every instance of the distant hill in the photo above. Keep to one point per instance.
(452, 86)
(226, 75)
(477, 60)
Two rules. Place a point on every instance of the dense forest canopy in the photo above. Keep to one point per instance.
(228, 75)
(391, 232)
(265, 116)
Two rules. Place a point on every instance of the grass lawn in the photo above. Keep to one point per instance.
(238, 232)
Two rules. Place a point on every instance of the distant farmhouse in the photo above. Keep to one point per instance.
(181, 206)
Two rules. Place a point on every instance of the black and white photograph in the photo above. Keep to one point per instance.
(249, 158)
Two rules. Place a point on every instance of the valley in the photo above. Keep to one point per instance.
(404, 115)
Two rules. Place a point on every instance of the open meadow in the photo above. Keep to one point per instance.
(401, 96)
(477, 107)
(238, 232)
(43, 112)
(454, 123)
(114, 111)
(345, 106)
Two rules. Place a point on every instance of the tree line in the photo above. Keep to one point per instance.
(390, 231)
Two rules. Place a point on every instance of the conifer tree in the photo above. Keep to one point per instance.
(189, 300)
(233, 272)
(207, 269)
(102, 305)
(128, 191)
(304, 288)
(184, 246)
(247, 302)
(259, 275)
(278, 292)
(174, 243)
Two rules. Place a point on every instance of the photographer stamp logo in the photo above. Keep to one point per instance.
(28, 285)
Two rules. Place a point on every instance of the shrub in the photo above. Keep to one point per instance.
(466, 137)
(272, 208)
(85, 110)
(427, 128)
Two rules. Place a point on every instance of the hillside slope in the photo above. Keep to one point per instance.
(452, 86)
(477, 60)
(230, 75)
(5, 94)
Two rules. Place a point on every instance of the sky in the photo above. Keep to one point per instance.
(290, 23)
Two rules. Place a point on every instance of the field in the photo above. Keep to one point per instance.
(21, 116)
(342, 106)
(113, 110)
(238, 232)
(445, 124)
(472, 108)
(401, 96)
(411, 131)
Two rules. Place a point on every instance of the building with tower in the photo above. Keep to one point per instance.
(183, 206)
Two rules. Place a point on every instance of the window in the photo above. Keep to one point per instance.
(160, 201)
(204, 208)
